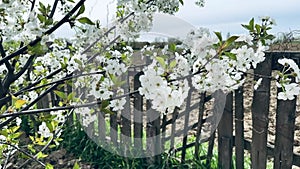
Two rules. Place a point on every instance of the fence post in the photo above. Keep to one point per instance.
(260, 112)
(225, 135)
(284, 139)
(239, 127)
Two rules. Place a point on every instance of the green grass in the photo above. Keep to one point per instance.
(77, 142)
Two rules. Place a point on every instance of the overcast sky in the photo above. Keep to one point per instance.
(225, 16)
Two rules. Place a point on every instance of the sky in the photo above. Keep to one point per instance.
(216, 15)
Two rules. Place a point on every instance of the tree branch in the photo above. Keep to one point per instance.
(32, 5)
(53, 9)
(3, 54)
(26, 66)
(29, 105)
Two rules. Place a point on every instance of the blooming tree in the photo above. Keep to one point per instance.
(34, 62)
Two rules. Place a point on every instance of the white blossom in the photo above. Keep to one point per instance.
(44, 130)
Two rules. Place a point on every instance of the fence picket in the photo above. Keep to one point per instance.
(260, 112)
(239, 128)
(225, 135)
(138, 116)
(284, 139)
(199, 126)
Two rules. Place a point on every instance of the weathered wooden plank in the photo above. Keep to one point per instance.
(260, 112)
(284, 138)
(113, 128)
(125, 137)
(138, 116)
(239, 128)
(225, 135)
(199, 126)
(101, 126)
(210, 149)
(186, 122)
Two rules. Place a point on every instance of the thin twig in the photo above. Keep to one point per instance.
(24, 152)
(47, 145)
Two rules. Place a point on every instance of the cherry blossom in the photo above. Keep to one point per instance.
(44, 130)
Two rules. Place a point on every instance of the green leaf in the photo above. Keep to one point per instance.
(70, 96)
(251, 24)
(41, 155)
(181, 1)
(42, 18)
(86, 20)
(61, 94)
(49, 166)
(172, 47)
(81, 10)
(42, 8)
(231, 56)
(107, 111)
(173, 64)
(219, 35)
(19, 103)
(161, 61)
(258, 28)
(246, 26)
(37, 49)
(31, 148)
(104, 104)
(229, 41)
(76, 166)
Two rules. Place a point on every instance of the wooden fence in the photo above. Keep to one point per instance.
(188, 125)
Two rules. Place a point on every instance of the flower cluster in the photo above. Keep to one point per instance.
(288, 79)
(161, 85)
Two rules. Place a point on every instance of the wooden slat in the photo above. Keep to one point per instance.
(199, 126)
(101, 126)
(138, 116)
(211, 144)
(260, 112)
(225, 135)
(113, 128)
(173, 127)
(270, 152)
(239, 128)
(125, 137)
(186, 123)
(284, 139)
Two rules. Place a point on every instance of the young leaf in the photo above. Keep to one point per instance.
(231, 56)
(258, 28)
(229, 41)
(251, 24)
(172, 47)
(86, 20)
(60, 94)
(81, 10)
(49, 166)
(219, 35)
(104, 104)
(19, 103)
(76, 166)
(161, 61)
(41, 155)
(173, 64)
